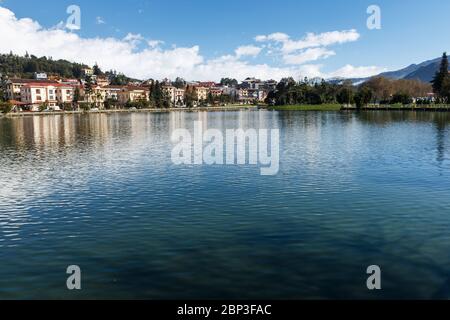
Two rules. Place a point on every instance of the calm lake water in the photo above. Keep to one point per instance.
(101, 192)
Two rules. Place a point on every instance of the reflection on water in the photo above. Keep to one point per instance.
(100, 191)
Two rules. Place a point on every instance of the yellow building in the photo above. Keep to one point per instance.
(133, 94)
(202, 93)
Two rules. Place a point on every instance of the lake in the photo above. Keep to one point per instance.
(100, 191)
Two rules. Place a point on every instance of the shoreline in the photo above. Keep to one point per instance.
(305, 108)
(397, 108)
(146, 110)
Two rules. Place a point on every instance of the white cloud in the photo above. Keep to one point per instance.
(310, 48)
(100, 20)
(133, 39)
(350, 71)
(311, 54)
(277, 36)
(321, 40)
(252, 51)
(143, 58)
(311, 40)
(154, 43)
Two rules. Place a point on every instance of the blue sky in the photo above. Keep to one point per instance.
(409, 33)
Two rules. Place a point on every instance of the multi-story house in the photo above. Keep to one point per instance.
(35, 95)
(102, 81)
(245, 96)
(176, 95)
(252, 83)
(270, 85)
(13, 87)
(169, 90)
(87, 72)
(216, 91)
(112, 92)
(179, 97)
(132, 94)
(202, 93)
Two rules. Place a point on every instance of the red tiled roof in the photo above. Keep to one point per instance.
(56, 84)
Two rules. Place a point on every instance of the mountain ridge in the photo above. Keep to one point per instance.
(423, 71)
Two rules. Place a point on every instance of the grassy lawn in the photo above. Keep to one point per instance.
(320, 107)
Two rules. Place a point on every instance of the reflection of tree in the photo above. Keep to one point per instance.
(440, 139)
(440, 120)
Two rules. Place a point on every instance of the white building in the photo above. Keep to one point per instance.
(35, 95)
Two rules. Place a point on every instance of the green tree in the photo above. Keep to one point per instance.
(345, 96)
(401, 98)
(190, 97)
(5, 107)
(76, 96)
(179, 83)
(88, 87)
(441, 78)
(363, 97)
(229, 82)
(97, 70)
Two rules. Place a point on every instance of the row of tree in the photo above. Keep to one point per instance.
(376, 90)
(24, 67)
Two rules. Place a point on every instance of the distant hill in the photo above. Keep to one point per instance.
(412, 69)
(424, 72)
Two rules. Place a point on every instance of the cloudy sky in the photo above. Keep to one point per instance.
(205, 40)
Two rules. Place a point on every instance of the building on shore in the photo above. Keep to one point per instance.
(132, 94)
(51, 96)
(175, 95)
(14, 85)
(201, 92)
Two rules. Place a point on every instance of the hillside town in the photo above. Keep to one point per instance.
(94, 91)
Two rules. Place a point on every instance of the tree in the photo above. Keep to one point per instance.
(345, 96)
(228, 82)
(88, 86)
(190, 97)
(401, 98)
(363, 97)
(76, 96)
(210, 99)
(97, 70)
(5, 107)
(179, 83)
(110, 103)
(2, 88)
(441, 78)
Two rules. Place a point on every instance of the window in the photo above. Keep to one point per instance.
(38, 98)
(38, 91)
